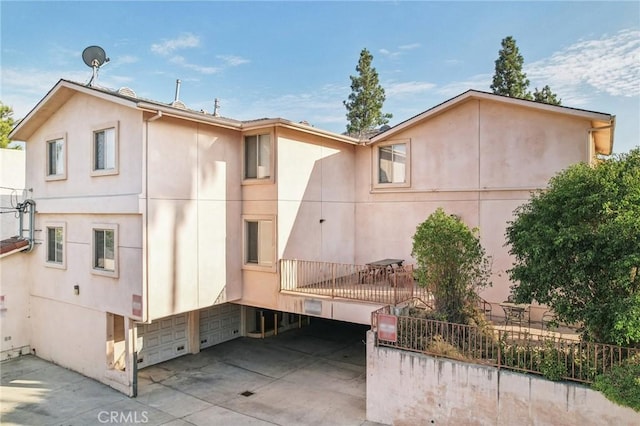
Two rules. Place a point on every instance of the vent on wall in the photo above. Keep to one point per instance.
(125, 91)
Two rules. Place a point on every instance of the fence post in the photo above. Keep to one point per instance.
(333, 280)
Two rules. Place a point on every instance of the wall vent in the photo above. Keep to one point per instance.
(126, 91)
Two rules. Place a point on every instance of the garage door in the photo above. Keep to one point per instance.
(219, 323)
(163, 339)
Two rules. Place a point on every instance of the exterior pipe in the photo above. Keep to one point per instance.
(28, 206)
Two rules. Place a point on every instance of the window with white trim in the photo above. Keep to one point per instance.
(55, 245)
(259, 242)
(56, 158)
(105, 150)
(257, 156)
(105, 250)
(392, 164)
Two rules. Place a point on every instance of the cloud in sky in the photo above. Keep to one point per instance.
(233, 60)
(183, 41)
(608, 65)
(398, 89)
(400, 50)
(179, 60)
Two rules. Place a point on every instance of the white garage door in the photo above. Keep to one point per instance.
(163, 339)
(219, 323)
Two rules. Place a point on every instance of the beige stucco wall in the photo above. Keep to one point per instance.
(479, 160)
(15, 332)
(405, 388)
(12, 175)
(193, 214)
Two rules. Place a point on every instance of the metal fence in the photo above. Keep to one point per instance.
(546, 354)
(356, 282)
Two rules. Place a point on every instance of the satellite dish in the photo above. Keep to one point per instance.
(94, 57)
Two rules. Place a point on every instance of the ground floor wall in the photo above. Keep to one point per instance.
(15, 333)
(405, 388)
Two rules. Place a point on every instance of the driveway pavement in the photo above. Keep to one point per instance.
(310, 376)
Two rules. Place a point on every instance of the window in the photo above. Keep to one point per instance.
(56, 158)
(392, 165)
(259, 242)
(105, 150)
(257, 156)
(105, 250)
(55, 246)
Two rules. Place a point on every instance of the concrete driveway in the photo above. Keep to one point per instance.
(310, 376)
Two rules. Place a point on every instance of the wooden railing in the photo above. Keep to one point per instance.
(356, 282)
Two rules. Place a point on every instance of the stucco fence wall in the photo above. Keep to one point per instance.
(405, 388)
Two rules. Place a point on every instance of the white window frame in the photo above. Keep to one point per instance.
(266, 250)
(47, 261)
(108, 272)
(47, 170)
(260, 177)
(114, 126)
(376, 165)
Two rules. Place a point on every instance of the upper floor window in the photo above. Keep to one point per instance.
(105, 150)
(56, 158)
(392, 162)
(105, 249)
(55, 245)
(259, 242)
(257, 156)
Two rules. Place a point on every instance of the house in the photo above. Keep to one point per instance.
(161, 230)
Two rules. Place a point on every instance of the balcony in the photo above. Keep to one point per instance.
(365, 283)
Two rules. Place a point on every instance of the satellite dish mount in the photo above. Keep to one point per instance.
(94, 57)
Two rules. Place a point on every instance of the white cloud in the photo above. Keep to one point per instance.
(475, 82)
(400, 50)
(233, 60)
(184, 41)
(409, 46)
(126, 59)
(396, 89)
(608, 65)
(179, 60)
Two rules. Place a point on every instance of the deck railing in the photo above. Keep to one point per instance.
(356, 282)
(554, 357)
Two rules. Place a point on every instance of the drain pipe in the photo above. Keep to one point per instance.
(28, 206)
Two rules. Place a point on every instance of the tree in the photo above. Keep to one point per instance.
(452, 263)
(364, 107)
(509, 79)
(546, 96)
(576, 248)
(6, 124)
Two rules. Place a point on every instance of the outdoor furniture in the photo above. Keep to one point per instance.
(485, 307)
(379, 269)
(516, 313)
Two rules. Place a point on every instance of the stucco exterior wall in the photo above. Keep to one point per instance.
(479, 160)
(193, 210)
(15, 333)
(12, 175)
(405, 388)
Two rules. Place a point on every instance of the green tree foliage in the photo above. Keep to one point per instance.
(576, 248)
(452, 264)
(6, 124)
(509, 79)
(546, 96)
(364, 107)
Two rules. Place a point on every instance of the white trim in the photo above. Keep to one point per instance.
(48, 140)
(112, 273)
(115, 125)
(375, 169)
(48, 263)
(266, 267)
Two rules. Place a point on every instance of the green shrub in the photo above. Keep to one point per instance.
(622, 384)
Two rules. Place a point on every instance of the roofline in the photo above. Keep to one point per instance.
(171, 111)
(477, 94)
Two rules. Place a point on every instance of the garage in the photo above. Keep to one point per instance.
(167, 338)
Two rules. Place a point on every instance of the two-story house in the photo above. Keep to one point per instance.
(161, 230)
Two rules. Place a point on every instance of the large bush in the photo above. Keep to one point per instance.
(576, 248)
(452, 264)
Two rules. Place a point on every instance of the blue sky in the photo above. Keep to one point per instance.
(293, 59)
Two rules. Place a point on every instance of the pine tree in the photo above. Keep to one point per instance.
(509, 79)
(546, 96)
(6, 124)
(364, 107)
